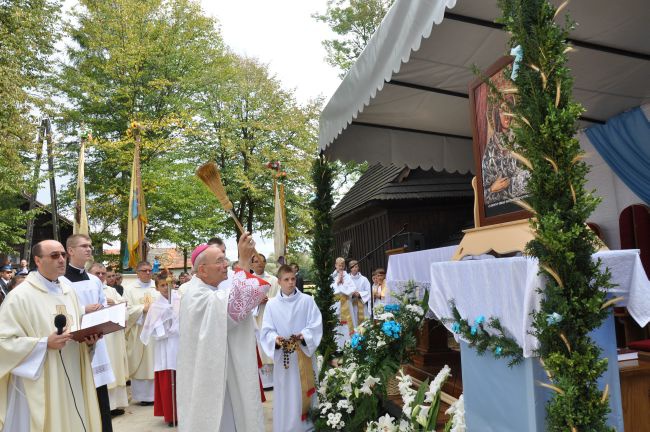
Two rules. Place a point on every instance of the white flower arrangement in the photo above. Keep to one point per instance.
(420, 408)
(457, 411)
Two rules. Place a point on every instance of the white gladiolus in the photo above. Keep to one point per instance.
(457, 409)
(436, 384)
(423, 415)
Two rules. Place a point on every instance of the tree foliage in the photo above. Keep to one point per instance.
(164, 64)
(323, 253)
(354, 21)
(28, 31)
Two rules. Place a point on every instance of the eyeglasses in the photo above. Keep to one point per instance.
(219, 261)
(56, 255)
(100, 273)
(144, 271)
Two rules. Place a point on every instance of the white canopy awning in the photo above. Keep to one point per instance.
(405, 100)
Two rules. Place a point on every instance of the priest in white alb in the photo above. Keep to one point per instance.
(291, 333)
(139, 297)
(218, 383)
(46, 380)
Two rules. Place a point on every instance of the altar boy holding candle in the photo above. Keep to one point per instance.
(162, 324)
(291, 331)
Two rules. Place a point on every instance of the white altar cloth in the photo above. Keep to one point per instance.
(507, 288)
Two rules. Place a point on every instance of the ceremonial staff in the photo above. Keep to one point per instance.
(170, 282)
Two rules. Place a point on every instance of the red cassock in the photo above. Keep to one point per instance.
(162, 399)
(259, 365)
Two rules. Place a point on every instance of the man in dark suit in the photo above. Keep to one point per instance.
(6, 273)
(300, 283)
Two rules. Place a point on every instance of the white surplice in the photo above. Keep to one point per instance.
(363, 288)
(162, 325)
(91, 291)
(286, 316)
(217, 373)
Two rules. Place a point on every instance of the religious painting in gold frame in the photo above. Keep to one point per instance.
(500, 178)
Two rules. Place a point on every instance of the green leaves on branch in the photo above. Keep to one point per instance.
(575, 289)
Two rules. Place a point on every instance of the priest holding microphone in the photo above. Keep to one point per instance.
(46, 379)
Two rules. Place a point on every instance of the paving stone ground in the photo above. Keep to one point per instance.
(141, 419)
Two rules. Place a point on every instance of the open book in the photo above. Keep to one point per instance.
(104, 321)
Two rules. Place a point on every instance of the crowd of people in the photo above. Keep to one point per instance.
(201, 349)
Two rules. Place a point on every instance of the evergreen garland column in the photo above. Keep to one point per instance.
(574, 298)
(323, 253)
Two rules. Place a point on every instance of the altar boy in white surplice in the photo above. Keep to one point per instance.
(291, 331)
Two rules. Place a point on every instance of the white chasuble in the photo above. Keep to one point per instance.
(286, 316)
(343, 288)
(217, 364)
(140, 356)
(35, 395)
(116, 347)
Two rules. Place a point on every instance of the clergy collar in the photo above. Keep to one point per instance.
(80, 270)
(52, 286)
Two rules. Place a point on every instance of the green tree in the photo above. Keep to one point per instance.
(323, 253)
(545, 118)
(146, 61)
(354, 21)
(28, 30)
(247, 122)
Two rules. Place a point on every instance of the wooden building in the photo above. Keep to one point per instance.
(432, 207)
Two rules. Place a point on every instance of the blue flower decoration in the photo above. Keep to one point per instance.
(498, 350)
(391, 308)
(553, 318)
(455, 327)
(479, 320)
(473, 330)
(391, 329)
(356, 341)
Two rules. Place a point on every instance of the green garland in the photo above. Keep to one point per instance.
(501, 345)
(323, 253)
(574, 297)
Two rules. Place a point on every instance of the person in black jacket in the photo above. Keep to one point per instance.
(300, 283)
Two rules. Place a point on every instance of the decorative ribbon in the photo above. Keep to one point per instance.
(307, 384)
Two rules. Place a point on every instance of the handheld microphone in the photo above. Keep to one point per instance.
(60, 322)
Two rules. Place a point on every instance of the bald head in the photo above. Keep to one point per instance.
(49, 256)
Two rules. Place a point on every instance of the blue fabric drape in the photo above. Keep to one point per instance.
(624, 143)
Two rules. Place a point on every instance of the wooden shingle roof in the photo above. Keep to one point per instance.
(384, 183)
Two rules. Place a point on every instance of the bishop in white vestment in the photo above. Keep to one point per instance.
(291, 333)
(217, 365)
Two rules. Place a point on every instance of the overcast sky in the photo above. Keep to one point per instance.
(281, 34)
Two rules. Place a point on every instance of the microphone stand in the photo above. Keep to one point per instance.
(372, 293)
